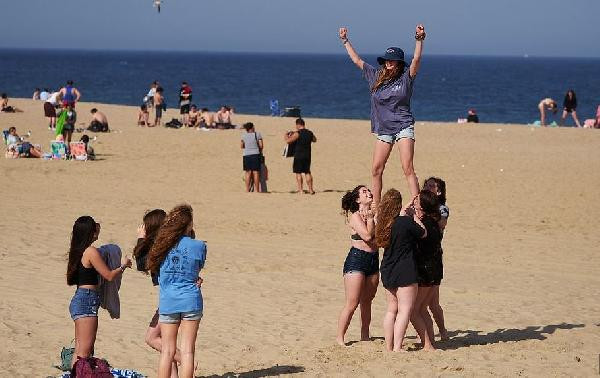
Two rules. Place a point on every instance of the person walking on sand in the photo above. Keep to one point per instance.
(361, 267)
(549, 104)
(303, 138)
(569, 107)
(177, 259)
(391, 87)
(159, 101)
(70, 95)
(84, 267)
(252, 145)
(398, 229)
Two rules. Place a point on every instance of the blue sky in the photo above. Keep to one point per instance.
(564, 28)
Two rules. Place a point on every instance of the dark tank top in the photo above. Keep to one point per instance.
(86, 276)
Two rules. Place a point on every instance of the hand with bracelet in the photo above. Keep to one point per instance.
(125, 263)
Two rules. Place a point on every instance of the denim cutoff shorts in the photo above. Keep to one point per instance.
(179, 316)
(84, 304)
(359, 261)
(408, 132)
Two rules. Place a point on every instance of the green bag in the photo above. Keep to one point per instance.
(66, 356)
(60, 122)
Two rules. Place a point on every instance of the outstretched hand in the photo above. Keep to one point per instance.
(420, 31)
(343, 33)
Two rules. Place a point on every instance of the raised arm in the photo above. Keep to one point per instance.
(351, 52)
(416, 62)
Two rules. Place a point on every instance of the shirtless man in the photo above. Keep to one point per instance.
(99, 121)
(223, 118)
(194, 117)
(159, 100)
(549, 104)
(207, 118)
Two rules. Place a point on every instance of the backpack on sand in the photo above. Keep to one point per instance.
(91, 367)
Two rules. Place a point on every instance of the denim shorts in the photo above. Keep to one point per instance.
(359, 261)
(408, 132)
(84, 304)
(179, 316)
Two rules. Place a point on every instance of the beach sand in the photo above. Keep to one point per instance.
(521, 292)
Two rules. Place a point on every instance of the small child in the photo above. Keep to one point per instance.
(91, 155)
(144, 116)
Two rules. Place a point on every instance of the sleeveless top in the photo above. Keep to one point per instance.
(86, 276)
(69, 94)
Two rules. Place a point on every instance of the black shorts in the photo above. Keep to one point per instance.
(184, 109)
(301, 165)
(569, 110)
(49, 110)
(251, 162)
(359, 261)
(158, 109)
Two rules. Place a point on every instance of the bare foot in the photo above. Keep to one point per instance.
(340, 342)
(401, 350)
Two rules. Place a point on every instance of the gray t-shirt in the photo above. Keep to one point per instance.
(390, 104)
(251, 144)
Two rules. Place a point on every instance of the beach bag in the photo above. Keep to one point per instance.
(174, 123)
(289, 150)
(66, 356)
(91, 367)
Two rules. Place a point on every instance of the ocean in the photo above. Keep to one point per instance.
(501, 89)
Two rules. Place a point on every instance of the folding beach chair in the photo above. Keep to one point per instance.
(59, 149)
(78, 151)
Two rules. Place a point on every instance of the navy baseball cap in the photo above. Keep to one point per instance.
(392, 53)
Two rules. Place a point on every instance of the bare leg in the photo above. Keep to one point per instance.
(299, 183)
(406, 299)
(390, 318)
(562, 118)
(366, 299)
(574, 115)
(189, 331)
(247, 173)
(380, 157)
(417, 320)
(256, 181)
(426, 317)
(353, 285)
(168, 348)
(34, 153)
(309, 183)
(406, 146)
(153, 339)
(85, 337)
(438, 312)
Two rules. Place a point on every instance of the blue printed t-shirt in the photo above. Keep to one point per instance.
(178, 275)
(390, 104)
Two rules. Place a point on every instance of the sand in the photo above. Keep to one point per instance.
(521, 291)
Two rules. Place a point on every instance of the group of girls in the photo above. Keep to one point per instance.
(166, 249)
(411, 268)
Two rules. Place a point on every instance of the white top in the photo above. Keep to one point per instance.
(53, 98)
(44, 96)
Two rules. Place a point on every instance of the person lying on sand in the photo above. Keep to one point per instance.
(4, 107)
(17, 145)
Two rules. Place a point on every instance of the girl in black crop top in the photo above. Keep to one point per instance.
(84, 267)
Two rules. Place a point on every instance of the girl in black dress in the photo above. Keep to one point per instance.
(428, 209)
(398, 230)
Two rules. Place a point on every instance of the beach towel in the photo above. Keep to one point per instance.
(60, 122)
(109, 290)
(117, 373)
(78, 150)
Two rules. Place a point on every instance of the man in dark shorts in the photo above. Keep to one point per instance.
(185, 99)
(303, 138)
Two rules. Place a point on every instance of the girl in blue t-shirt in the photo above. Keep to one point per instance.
(178, 259)
(391, 117)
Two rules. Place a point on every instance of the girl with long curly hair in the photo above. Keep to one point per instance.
(391, 117)
(85, 264)
(178, 259)
(361, 267)
(397, 231)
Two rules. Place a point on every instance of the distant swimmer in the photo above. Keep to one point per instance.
(549, 104)
(569, 106)
(391, 86)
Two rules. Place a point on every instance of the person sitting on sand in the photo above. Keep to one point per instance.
(99, 121)
(36, 94)
(158, 100)
(472, 116)
(194, 117)
(438, 187)
(83, 270)
(146, 234)
(143, 116)
(207, 118)
(303, 138)
(569, 107)
(89, 150)
(361, 267)
(4, 107)
(548, 104)
(397, 230)
(177, 259)
(16, 144)
(223, 118)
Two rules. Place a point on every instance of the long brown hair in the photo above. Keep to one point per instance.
(170, 232)
(389, 209)
(83, 235)
(385, 76)
(152, 221)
